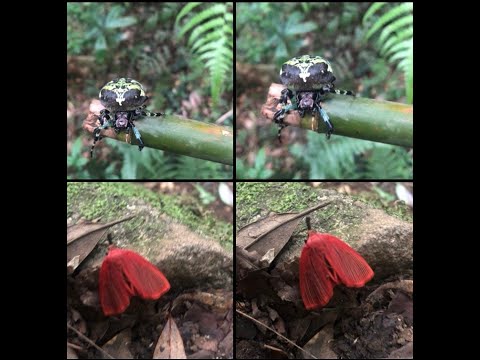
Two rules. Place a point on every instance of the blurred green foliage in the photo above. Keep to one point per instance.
(211, 39)
(139, 40)
(394, 27)
(369, 45)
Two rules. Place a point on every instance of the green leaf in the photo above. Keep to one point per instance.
(396, 26)
(260, 158)
(101, 43)
(204, 40)
(302, 28)
(388, 17)
(92, 33)
(217, 9)
(373, 9)
(186, 9)
(205, 197)
(120, 22)
(211, 41)
(206, 27)
(404, 35)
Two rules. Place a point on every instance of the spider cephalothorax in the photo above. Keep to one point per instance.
(123, 99)
(307, 79)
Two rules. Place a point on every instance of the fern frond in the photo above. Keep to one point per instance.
(185, 10)
(394, 27)
(372, 10)
(387, 161)
(389, 16)
(211, 41)
(395, 42)
(334, 159)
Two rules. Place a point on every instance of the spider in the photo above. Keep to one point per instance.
(123, 99)
(308, 79)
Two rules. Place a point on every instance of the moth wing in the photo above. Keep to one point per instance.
(348, 266)
(316, 282)
(145, 279)
(114, 290)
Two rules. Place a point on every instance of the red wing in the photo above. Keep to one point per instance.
(114, 290)
(349, 267)
(316, 283)
(145, 279)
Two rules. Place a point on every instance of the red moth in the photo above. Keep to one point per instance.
(325, 262)
(124, 274)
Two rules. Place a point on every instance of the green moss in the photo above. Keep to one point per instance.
(110, 200)
(398, 209)
(261, 198)
(279, 197)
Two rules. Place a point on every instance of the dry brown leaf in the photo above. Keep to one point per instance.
(320, 344)
(272, 232)
(170, 343)
(82, 239)
(118, 346)
(226, 345)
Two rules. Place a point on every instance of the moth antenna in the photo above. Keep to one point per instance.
(309, 225)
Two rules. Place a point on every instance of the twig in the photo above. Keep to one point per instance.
(74, 346)
(280, 335)
(225, 116)
(90, 342)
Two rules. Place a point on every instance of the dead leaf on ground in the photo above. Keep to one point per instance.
(118, 347)
(320, 344)
(271, 232)
(82, 239)
(170, 343)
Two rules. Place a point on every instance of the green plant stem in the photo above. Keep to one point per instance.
(382, 121)
(361, 118)
(186, 137)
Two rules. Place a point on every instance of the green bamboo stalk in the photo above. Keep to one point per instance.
(182, 136)
(361, 118)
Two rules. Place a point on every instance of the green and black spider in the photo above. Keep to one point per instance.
(123, 99)
(307, 79)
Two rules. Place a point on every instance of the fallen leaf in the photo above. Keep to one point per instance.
(320, 344)
(118, 346)
(268, 258)
(202, 354)
(271, 232)
(170, 344)
(226, 345)
(82, 239)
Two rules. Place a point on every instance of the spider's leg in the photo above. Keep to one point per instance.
(326, 120)
(281, 126)
(106, 121)
(278, 118)
(96, 133)
(280, 114)
(128, 135)
(141, 111)
(341, 92)
(139, 138)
